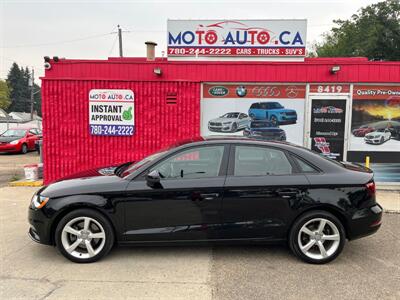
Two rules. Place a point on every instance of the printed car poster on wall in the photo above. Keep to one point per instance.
(111, 112)
(328, 118)
(264, 111)
(375, 124)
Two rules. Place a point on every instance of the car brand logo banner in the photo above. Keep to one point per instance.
(111, 112)
(270, 91)
(236, 38)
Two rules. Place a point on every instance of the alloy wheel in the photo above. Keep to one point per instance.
(83, 237)
(319, 239)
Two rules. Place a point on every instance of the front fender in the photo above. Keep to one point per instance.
(57, 208)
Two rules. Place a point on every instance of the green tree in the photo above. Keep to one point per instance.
(374, 33)
(4, 95)
(20, 91)
(18, 84)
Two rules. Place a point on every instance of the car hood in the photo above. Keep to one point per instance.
(7, 139)
(222, 120)
(84, 185)
(371, 134)
(267, 129)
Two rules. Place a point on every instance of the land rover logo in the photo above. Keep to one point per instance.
(218, 91)
(241, 91)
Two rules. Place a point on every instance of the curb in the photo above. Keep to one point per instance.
(36, 183)
(391, 211)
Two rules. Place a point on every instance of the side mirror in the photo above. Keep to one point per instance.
(153, 178)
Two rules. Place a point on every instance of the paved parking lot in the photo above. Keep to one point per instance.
(367, 269)
(11, 165)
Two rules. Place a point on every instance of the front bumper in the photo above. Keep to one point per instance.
(365, 222)
(286, 120)
(9, 148)
(373, 141)
(223, 128)
(40, 226)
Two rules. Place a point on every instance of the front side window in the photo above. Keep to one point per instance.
(260, 161)
(200, 162)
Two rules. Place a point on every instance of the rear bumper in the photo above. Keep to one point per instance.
(365, 222)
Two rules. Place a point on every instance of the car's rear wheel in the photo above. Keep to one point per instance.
(317, 237)
(84, 236)
(24, 148)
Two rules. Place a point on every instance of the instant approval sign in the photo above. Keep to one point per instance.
(111, 112)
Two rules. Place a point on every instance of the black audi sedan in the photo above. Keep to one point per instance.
(211, 190)
(266, 130)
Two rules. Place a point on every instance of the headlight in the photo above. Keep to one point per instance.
(38, 201)
(227, 123)
(14, 142)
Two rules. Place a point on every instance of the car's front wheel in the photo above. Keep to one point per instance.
(84, 236)
(24, 148)
(317, 237)
(234, 127)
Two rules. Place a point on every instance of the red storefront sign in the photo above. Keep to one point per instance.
(251, 91)
(230, 38)
(330, 88)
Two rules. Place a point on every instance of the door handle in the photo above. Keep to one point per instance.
(288, 193)
(209, 196)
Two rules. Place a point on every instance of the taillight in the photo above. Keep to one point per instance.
(371, 188)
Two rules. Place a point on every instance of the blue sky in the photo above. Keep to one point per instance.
(30, 30)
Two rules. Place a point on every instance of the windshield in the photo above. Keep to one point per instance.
(14, 132)
(261, 124)
(230, 115)
(136, 165)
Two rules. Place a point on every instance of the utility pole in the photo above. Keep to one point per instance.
(32, 84)
(120, 41)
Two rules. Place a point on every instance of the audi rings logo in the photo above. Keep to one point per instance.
(241, 91)
(266, 91)
(291, 91)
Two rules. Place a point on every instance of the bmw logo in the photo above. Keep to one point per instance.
(241, 91)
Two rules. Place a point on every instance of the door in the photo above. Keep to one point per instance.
(31, 137)
(327, 126)
(185, 204)
(260, 190)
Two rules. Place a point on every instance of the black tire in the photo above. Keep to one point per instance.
(108, 230)
(274, 120)
(24, 148)
(307, 217)
(234, 127)
(382, 140)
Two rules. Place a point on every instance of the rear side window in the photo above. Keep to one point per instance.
(304, 167)
(260, 161)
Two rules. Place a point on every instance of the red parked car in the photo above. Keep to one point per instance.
(362, 131)
(19, 140)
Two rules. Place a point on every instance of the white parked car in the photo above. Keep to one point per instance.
(229, 122)
(378, 137)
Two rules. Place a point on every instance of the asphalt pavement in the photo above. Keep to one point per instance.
(368, 268)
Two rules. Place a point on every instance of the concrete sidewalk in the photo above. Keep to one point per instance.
(389, 200)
